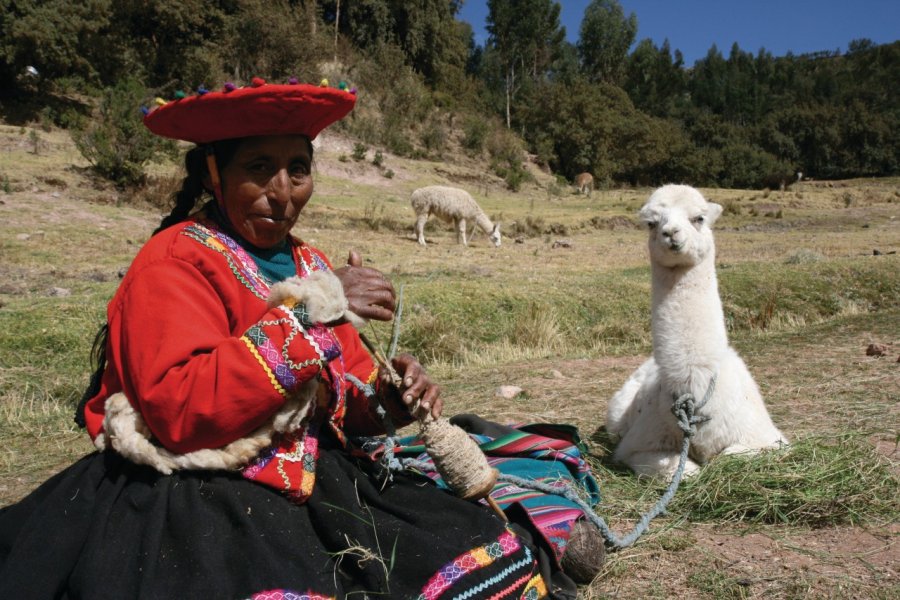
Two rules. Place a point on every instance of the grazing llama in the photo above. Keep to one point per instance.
(690, 349)
(452, 205)
(585, 183)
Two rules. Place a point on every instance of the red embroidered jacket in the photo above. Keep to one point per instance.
(194, 347)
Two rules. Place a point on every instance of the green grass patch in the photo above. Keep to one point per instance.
(817, 481)
(45, 345)
(774, 296)
(717, 584)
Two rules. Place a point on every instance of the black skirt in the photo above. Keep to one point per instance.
(107, 528)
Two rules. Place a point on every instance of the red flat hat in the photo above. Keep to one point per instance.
(261, 109)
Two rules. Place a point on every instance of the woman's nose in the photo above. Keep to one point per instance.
(279, 188)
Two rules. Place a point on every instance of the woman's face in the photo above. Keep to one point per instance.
(266, 185)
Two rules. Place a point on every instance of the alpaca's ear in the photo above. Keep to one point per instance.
(713, 212)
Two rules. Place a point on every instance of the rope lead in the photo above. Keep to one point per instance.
(684, 407)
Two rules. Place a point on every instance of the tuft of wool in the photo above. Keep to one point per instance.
(322, 294)
(125, 430)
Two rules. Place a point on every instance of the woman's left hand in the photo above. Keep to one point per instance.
(417, 391)
(369, 294)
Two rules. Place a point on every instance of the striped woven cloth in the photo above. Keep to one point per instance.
(548, 453)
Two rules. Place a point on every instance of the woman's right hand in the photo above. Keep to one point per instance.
(417, 394)
(369, 294)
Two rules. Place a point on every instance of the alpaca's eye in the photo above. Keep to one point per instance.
(652, 224)
(698, 220)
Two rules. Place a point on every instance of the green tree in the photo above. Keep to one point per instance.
(175, 44)
(433, 43)
(59, 38)
(579, 126)
(284, 44)
(115, 141)
(655, 81)
(708, 82)
(606, 36)
(525, 37)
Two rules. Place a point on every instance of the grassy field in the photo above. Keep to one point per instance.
(809, 278)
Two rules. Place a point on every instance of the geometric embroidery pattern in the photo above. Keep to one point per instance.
(240, 263)
(288, 595)
(476, 559)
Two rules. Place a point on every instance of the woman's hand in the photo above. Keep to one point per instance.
(417, 391)
(369, 294)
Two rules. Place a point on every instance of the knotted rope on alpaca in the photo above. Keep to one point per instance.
(684, 408)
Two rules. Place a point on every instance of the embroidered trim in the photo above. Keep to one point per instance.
(240, 263)
(288, 595)
(475, 591)
(475, 559)
(263, 363)
(536, 588)
(505, 592)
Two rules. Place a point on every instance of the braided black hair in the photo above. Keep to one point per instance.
(192, 187)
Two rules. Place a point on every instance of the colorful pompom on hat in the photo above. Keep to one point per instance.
(258, 109)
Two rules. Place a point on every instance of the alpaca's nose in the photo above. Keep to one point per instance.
(671, 231)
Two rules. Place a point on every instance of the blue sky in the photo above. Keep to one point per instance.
(779, 26)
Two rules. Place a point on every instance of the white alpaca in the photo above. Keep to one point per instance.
(690, 347)
(452, 205)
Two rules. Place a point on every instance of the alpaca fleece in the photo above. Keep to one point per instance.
(690, 348)
(454, 206)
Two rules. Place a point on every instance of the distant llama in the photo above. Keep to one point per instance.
(452, 205)
(585, 183)
(691, 352)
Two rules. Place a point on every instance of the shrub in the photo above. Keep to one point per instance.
(378, 160)
(434, 136)
(359, 151)
(731, 207)
(515, 176)
(35, 140)
(506, 153)
(115, 142)
(475, 132)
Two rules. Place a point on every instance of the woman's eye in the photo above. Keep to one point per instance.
(299, 170)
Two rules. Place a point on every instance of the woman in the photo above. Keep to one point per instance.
(233, 381)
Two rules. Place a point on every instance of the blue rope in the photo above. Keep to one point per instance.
(684, 410)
